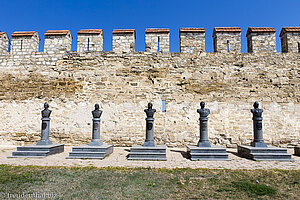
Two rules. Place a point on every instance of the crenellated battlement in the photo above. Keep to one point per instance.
(90, 40)
(227, 39)
(261, 39)
(290, 39)
(24, 42)
(57, 40)
(123, 40)
(192, 40)
(4, 42)
(157, 40)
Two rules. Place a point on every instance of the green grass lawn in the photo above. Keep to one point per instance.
(146, 183)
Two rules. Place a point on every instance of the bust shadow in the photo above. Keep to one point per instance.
(183, 153)
(236, 154)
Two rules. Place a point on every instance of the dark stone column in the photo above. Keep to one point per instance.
(204, 112)
(45, 126)
(96, 127)
(257, 126)
(149, 126)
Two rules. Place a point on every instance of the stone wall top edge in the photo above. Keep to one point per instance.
(90, 31)
(260, 30)
(148, 53)
(101, 102)
(289, 30)
(126, 31)
(253, 32)
(25, 34)
(191, 30)
(157, 30)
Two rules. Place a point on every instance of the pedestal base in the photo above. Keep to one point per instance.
(207, 153)
(37, 151)
(91, 152)
(297, 151)
(258, 144)
(264, 153)
(148, 153)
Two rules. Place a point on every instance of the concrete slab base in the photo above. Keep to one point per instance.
(207, 153)
(139, 152)
(37, 151)
(91, 152)
(264, 153)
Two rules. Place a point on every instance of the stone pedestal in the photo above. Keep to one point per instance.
(204, 150)
(297, 151)
(264, 153)
(139, 152)
(91, 152)
(44, 147)
(259, 149)
(149, 142)
(204, 153)
(37, 151)
(95, 149)
(96, 133)
(45, 132)
(149, 151)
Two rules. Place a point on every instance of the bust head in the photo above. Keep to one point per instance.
(46, 105)
(150, 105)
(202, 104)
(97, 112)
(256, 104)
(46, 112)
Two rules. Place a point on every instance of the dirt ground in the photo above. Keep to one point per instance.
(176, 158)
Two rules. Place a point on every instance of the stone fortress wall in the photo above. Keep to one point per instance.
(124, 81)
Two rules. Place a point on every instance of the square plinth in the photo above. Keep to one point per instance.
(264, 153)
(297, 151)
(207, 153)
(139, 152)
(91, 152)
(37, 151)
